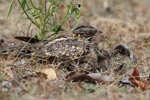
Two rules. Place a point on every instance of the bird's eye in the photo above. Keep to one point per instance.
(78, 6)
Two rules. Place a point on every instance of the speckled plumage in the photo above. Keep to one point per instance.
(85, 31)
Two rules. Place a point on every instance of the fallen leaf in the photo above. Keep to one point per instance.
(51, 74)
(101, 77)
(134, 80)
(141, 84)
(135, 74)
(92, 78)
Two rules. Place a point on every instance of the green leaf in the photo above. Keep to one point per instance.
(10, 8)
(57, 28)
(32, 4)
(22, 3)
(78, 14)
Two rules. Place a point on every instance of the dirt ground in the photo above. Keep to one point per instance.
(122, 22)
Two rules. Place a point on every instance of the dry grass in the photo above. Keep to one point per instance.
(124, 22)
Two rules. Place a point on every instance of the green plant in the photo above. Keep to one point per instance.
(43, 14)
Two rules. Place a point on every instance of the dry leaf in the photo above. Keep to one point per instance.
(51, 74)
(92, 78)
(135, 74)
(141, 84)
(100, 78)
(134, 79)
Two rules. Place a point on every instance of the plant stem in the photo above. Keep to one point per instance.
(28, 16)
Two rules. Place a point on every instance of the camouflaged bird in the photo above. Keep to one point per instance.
(64, 49)
(86, 32)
